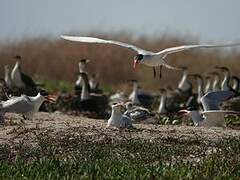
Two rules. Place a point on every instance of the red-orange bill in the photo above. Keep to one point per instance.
(135, 63)
(52, 98)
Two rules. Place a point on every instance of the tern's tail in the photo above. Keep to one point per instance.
(169, 66)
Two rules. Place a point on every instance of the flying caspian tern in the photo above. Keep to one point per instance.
(149, 58)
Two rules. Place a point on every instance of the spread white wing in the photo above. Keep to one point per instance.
(172, 50)
(102, 41)
(212, 100)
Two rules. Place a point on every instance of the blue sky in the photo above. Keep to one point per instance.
(210, 20)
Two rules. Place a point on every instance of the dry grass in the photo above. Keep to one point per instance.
(56, 59)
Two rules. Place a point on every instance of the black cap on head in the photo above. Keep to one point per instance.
(17, 57)
(138, 57)
(43, 92)
(84, 60)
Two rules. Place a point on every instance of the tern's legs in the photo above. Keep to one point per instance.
(154, 72)
(160, 71)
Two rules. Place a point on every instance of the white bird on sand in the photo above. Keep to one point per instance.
(149, 58)
(118, 119)
(211, 116)
(25, 105)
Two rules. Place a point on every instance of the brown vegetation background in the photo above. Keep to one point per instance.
(56, 59)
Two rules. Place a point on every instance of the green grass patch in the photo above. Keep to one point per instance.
(57, 85)
(81, 157)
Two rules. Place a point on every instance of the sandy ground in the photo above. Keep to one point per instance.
(54, 123)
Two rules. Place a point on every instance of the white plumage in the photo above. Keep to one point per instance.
(148, 58)
(211, 116)
(25, 105)
(118, 119)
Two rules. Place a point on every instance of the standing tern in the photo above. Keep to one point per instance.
(16, 74)
(25, 105)
(82, 69)
(149, 58)
(226, 80)
(92, 102)
(21, 80)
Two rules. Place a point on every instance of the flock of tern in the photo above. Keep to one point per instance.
(203, 107)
